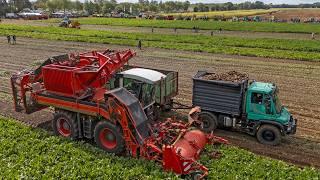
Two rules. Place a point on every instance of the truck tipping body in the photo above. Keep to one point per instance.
(218, 96)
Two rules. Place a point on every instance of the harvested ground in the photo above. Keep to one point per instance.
(303, 14)
(232, 76)
(298, 81)
(242, 34)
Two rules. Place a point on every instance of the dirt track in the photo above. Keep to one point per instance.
(299, 84)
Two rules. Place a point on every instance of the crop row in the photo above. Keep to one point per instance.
(33, 153)
(206, 25)
(259, 47)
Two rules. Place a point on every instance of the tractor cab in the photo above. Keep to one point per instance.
(263, 104)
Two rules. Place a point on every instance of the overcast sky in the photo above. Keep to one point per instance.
(237, 1)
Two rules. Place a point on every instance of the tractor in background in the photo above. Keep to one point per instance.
(67, 23)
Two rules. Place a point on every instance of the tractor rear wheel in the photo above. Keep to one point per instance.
(108, 137)
(65, 124)
(269, 135)
(209, 120)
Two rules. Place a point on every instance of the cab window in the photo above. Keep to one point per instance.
(147, 94)
(256, 98)
(267, 104)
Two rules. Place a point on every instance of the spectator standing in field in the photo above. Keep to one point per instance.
(140, 44)
(211, 33)
(194, 29)
(220, 30)
(175, 30)
(14, 39)
(152, 29)
(313, 36)
(9, 39)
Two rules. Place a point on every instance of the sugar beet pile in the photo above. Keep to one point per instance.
(232, 76)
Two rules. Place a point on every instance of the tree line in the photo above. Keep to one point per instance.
(201, 7)
(111, 6)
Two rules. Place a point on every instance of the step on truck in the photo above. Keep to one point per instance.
(254, 108)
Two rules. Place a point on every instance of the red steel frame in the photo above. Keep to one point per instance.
(171, 142)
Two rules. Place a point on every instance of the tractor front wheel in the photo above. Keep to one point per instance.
(108, 137)
(269, 135)
(64, 124)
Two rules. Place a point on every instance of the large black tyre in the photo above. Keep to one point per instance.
(109, 137)
(65, 124)
(269, 135)
(209, 120)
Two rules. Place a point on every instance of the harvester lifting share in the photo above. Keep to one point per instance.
(75, 84)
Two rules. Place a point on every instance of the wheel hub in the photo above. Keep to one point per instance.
(108, 138)
(64, 127)
(268, 135)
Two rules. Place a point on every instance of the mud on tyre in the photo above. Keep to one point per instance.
(269, 135)
(109, 137)
(65, 124)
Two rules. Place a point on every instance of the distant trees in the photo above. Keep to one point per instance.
(200, 7)
(13, 6)
(156, 6)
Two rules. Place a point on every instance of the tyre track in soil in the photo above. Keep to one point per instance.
(296, 149)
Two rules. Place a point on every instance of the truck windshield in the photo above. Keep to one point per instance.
(277, 102)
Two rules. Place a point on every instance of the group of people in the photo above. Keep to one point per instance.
(12, 39)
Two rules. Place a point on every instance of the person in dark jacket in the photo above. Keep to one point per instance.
(14, 39)
(9, 39)
(140, 44)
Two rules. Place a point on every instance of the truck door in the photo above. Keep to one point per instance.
(260, 107)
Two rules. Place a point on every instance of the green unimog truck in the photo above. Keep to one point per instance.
(254, 108)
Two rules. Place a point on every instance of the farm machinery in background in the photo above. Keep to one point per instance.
(95, 98)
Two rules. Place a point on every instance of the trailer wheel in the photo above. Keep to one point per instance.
(209, 121)
(109, 137)
(269, 134)
(64, 124)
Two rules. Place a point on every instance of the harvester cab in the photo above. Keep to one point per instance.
(76, 87)
(140, 82)
(143, 84)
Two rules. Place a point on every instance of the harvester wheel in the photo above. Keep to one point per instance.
(196, 175)
(108, 136)
(209, 121)
(269, 134)
(65, 124)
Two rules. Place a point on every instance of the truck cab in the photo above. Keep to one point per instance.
(265, 111)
